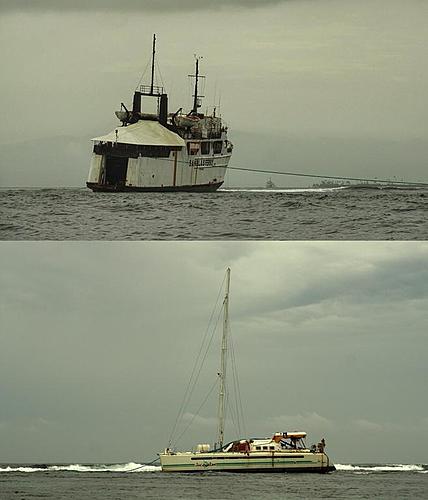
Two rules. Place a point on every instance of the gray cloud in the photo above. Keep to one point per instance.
(128, 5)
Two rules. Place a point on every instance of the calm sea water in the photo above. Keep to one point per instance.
(104, 482)
(316, 214)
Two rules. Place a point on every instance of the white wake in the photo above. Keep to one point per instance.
(283, 190)
(381, 468)
(129, 467)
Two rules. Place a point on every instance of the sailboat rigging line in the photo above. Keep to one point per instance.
(234, 417)
(198, 410)
(233, 406)
(144, 465)
(238, 399)
(193, 380)
(338, 177)
(229, 406)
(200, 367)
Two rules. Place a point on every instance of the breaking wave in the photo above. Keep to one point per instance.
(381, 468)
(137, 467)
(129, 467)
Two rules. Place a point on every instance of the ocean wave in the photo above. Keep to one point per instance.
(137, 467)
(129, 467)
(298, 215)
(380, 468)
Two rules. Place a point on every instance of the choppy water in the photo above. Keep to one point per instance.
(116, 481)
(302, 214)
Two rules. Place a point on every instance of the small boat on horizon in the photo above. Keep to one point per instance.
(328, 184)
(161, 151)
(281, 452)
(270, 184)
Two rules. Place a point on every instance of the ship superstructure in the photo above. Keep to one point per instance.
(161, 151)
(283, 452)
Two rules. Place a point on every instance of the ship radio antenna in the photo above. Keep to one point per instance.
(153, 64)
(196, 97)
(223, 364)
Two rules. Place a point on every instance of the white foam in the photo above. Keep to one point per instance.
(137, 467)
(381, 468)
(283, 190)
(129, 467)
(20, 469)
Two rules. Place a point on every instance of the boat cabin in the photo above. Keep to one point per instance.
(280, 441)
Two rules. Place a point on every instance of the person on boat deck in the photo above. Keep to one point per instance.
(321, 445)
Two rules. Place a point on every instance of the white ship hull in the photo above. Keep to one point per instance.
(276, 461)
(178, 172)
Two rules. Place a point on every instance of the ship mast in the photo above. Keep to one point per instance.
(223, 365)
(153, 64)
(196, 97)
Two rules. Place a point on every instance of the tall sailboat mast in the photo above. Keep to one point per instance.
(223, 365)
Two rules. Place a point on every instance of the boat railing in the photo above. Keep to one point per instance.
(198, 134)
(151, 90)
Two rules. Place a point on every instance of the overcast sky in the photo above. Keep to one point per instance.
(98, 341)
(321, 86)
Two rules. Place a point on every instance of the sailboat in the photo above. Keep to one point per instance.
(161, 151)
(280, 452)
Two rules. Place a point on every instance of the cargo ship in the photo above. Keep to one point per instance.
(161, 151)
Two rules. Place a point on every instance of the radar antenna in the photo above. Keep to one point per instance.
(196, 98)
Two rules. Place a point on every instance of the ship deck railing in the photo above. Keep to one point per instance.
(155, 90)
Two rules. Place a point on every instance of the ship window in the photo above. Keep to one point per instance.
(265, 447)
(258, 447)
(217, 145)
(271, 447)
(132, 150)
(192, 148)
(205, 148)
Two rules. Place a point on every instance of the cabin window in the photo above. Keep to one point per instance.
(217, 145)
(258, 448)
(265, 447)
(205, 148)
(271, 447)
(192, 148)
(132, 150)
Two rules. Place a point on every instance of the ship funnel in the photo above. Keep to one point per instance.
(136, 106)
(163, 109)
